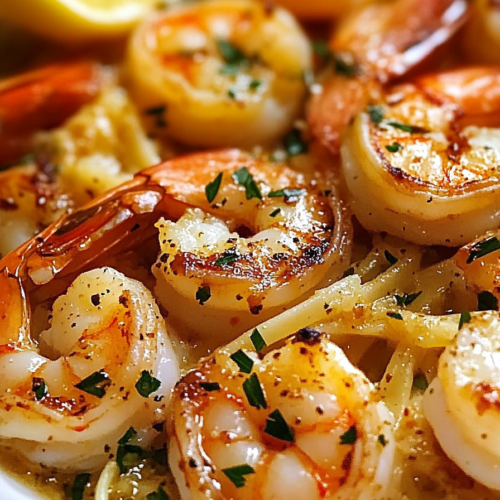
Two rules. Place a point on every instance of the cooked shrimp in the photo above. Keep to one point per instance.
(482, 35)
(299, 422)
(105, 364)
(374, 45)
(220, 73)
(30, 199)
(462, 404)
(265, 240)
(42, 99)
(422, 164)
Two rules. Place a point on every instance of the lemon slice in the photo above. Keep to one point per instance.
(76, 20)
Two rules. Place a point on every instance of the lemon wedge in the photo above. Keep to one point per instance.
(76, 20)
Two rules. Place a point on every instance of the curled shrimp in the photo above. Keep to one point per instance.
(42, 99)
(422, 164)
(268, 237)
(220, 73)
(372, 46)
(462, 403)
(298, 422)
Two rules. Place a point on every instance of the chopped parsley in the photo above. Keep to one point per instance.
(486, 301)
(244, 362)
(394, 147)
(294, 144)
(407, 298)
(277, 427)
(395, 315)
(257, 340)
(274, 213)
(243, 177)
(212, 188)
(343, 68)
(210, 386)
(233, 57)
(228, 257)
(231, 93)
(130, 434)
(483, 248)
(412, 129)
(376, 114)
(254, 393)
(39, 388)
(79, 484)
(464, 318)
(237, 474)
(288, 194)
(382, 440)
(147, 384)
(390, 258)
(350, 435)
(159, 494)
(128, 455)
(95, 384)
(203, 294)
(254, 84)
(420, 382)
(320, 48)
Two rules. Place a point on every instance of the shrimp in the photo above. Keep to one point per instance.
(220, 73)
(30, 199)
(42, 99)
(462, 403)
(372, 46)
(104, 364)
(268, 237)
(422, 164)
(481, 41)
(298, 422)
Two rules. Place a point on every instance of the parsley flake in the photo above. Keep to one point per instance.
(79, 484)
(159, 494)
(257, 340)
(243, 177)
(320, 48)
(95, 384)
(210, 386)
(277, 427)
(254, 84)
(147, 384)
(344, 68)
(254, 393)
(130, 434)
(231, 93)
(288, 194)
(350, 435)
(244, 362)
(212, 188)
(229, 52)
(464, 318)
(294, 144)
(412, 129)
(274, 213)
(395, 315)
(420, 382)
(228, 257)
(237, 474)
(376, 114)
(407, 298)
(390, 258)
(483, 248)
(203, 294)
(39, 388)
(128, 455)
(394, 147)
(486, 301)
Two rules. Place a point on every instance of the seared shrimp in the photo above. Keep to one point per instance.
(30, 199)
(104, 365)
(220, 73)
(423, 163)
(261, 237)
(299, 422)
(462, 404)
(374, 45)
(42, 99)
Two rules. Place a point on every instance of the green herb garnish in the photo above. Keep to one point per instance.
(277, 427)
(130, 434)
(212, 188)
(39, 388)
(95, 384)
(376, 114)
(344, 68)
(159, 494)
(464, 318)
(483, 248)
(412, 129)
(233, 57)
(390, 258)
(228, 257)
(407, 298)
(243, 177)
(231, 93)
(486, 301)
(243, 361)
(210, 386)
(257, 340)
(395, 315)
(394, 147)
(420, 382)
(382, 440)
(350, 436)
(79, 484)
(294, 144)
(288, 194)
(203, 294)
(254, 84)
(147, 384)
(274, 213)
(320, 48)
(236, 474)
(254, 393)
